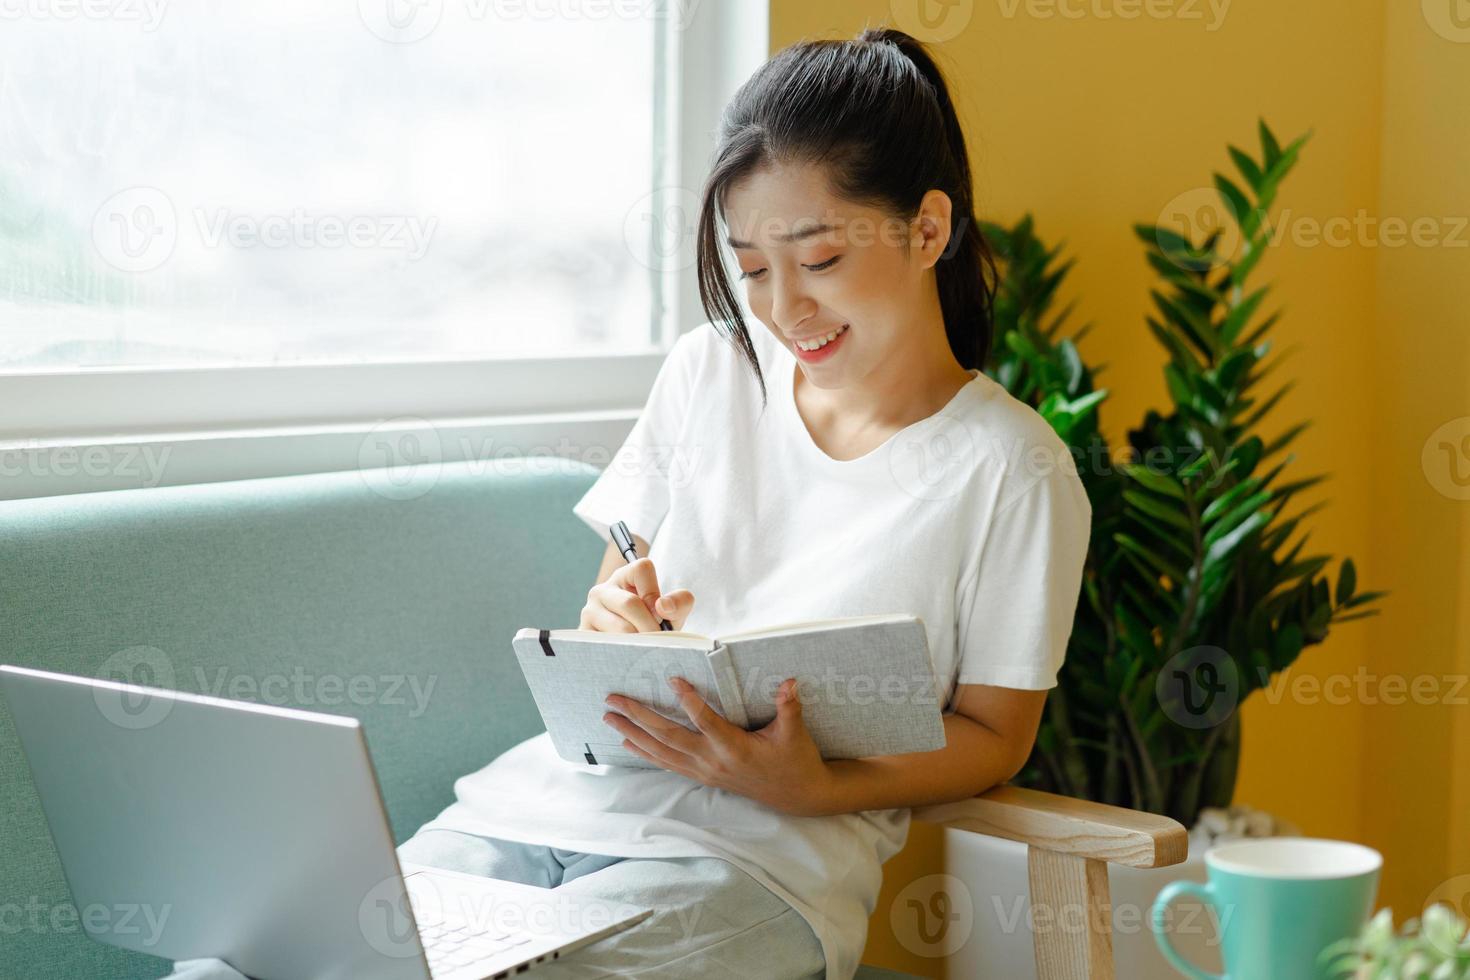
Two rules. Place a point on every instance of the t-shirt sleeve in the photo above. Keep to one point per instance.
(634, 487)
(1016, 609)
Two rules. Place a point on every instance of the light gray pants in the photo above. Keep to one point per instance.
(710, 919)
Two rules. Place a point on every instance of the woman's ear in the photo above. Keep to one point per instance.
(931, 228)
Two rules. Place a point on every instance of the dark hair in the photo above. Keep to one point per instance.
(877, 113)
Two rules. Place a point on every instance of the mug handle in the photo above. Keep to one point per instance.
(1167, 894)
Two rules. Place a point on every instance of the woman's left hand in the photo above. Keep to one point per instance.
(778, 765)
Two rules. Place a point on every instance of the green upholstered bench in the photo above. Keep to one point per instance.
(291, 591)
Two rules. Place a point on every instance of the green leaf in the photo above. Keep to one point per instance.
(1270, 149)
(1174, 247)
(1247, 168)
(1018, 343)
(1255, 417)
(1247, 507)
(1251, 252)
(1281, 441)
(1222, 548)
(1306, 568)
(1232, 369)
(1178, 387)
(1296, 486)
(1155, 481)
(1347, 581)
(1081, 406)
(1189, 324)
(1239, 314)
(1163, 239)
(1353, 616)
(1227, 500)
(1178, 541)
(1195, 466)
(1182, 355)
(1240, 210)
(1072, 363)
(1286, 645)
(1186, 282)
(1156, 508)
(1259, 332)
(1174, 573)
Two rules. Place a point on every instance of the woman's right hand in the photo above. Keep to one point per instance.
(629, 601)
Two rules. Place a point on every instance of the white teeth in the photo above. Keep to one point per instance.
(821, 342)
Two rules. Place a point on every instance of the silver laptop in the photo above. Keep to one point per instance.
(193, 827)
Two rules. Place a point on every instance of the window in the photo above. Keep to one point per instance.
(253, 238)
(280, 182)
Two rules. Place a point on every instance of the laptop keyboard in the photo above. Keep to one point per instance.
(454, 945)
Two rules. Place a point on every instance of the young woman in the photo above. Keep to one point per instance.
(846, 456)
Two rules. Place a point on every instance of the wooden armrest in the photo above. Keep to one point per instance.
(1065, 825)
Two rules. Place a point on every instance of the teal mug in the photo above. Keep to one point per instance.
(1279, 901)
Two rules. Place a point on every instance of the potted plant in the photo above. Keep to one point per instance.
(1434, 948)
(1195, 591)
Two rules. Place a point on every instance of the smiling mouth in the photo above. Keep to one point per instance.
(817, 343)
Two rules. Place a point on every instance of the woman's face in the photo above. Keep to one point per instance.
(813, 264)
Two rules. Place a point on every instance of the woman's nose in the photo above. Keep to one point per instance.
(790, 304)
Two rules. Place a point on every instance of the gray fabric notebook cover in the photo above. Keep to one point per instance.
(867, 684)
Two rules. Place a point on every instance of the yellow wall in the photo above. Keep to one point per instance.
(1093, 123)
(1418, 806)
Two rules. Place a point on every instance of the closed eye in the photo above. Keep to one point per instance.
(757, 273)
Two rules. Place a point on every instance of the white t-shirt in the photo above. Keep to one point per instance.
(973, 519)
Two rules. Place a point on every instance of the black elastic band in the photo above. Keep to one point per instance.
(545, 637)
(591, 759)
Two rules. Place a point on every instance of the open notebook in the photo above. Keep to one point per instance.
(867, 684)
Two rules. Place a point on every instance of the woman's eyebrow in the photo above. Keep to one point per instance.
(794, 236)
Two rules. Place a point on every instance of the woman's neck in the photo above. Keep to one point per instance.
(911, 385)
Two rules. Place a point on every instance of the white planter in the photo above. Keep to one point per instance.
(999, 945)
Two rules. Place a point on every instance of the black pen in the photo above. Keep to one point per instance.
(623, 538)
